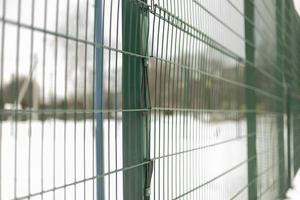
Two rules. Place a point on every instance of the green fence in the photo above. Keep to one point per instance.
(157, 99)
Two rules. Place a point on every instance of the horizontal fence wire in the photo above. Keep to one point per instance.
(154, 100)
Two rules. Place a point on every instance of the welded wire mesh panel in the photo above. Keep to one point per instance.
(197, 99)
(47, 100)
(157, 99)
(269, 128)
(204, 81)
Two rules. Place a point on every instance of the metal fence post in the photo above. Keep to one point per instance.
(287, 70)
(290, 140)
(99, 99)
(135, 142)
(250, 98)
(291, 21)
(283, 140)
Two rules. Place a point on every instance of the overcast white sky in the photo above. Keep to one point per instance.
(297, 5)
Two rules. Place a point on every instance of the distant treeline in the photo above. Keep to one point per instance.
(208, 84)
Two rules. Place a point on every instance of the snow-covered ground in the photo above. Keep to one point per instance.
(294, 192)
(207, 160)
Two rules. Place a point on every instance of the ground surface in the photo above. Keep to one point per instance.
(63, 153)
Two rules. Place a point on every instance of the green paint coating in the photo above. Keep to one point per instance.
(250, 100)
(135, 142)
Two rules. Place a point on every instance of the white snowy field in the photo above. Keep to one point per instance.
(43, 171)
(294, 192)
(197, 158)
